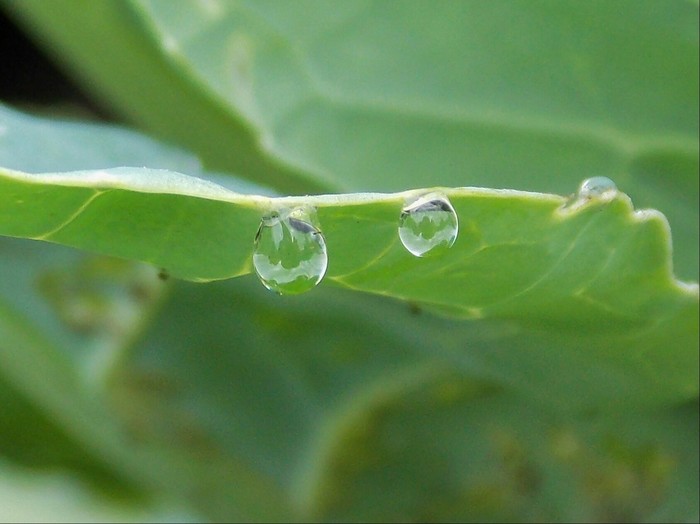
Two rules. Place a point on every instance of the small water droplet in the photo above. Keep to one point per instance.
(596, 187)
(428, 226)
(290, 251)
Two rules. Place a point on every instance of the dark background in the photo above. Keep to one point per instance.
(29, 80)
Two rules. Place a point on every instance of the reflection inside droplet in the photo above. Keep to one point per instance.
(428, 226)
(595, 187)
(290, 254)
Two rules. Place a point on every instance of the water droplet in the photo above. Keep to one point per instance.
(596, 187)
(290, 252)
(428, 225)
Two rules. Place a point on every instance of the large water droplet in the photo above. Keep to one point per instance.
(596, 187)
(428, 226)
(290, 252)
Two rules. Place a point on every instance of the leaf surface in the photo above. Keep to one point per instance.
(516, 401)
(373, 97)
(584, 285)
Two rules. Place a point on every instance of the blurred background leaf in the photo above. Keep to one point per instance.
(29, 496)
(336, 406)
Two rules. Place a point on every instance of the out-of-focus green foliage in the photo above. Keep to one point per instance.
(544, 368)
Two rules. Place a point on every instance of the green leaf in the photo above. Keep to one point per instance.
(230, 385)
(346, 406)
(340, 405)
(29, 496)
(590, 282)
(67, 322)
(373, 96)
(518, 252)
(156, 87)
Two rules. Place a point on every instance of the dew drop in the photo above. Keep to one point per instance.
(428, 225)
(290, 251)
(596, 187)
